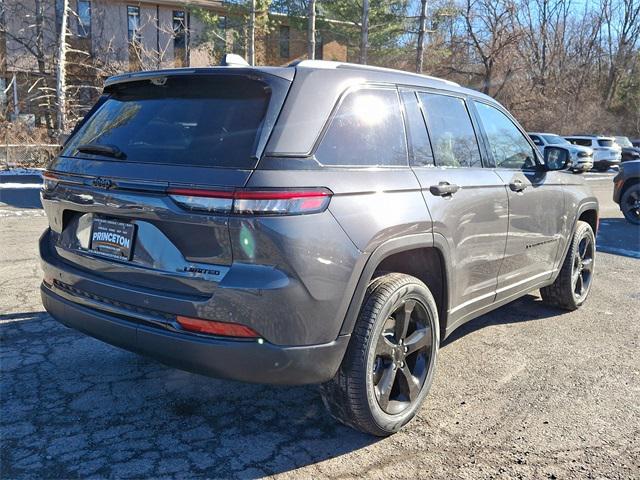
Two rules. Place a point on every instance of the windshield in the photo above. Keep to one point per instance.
(624, 142)
(555, 140)
(208, 120)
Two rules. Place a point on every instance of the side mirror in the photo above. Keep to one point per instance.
(556, 158)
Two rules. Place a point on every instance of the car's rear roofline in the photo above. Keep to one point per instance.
(281, 72)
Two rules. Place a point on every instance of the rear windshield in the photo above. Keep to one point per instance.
(605, 143)
(555, 140)
(207, 121)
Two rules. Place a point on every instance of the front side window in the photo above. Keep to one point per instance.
(133, 23)
(536, 139)
(451, 131)
(366, 130)
(508, 145)
(84, 18)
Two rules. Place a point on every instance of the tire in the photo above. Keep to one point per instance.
(571, 287)
(383, 380)
(630, 204)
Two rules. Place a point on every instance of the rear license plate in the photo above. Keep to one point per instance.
(111, 238)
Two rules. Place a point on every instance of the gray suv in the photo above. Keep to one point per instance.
(319, 223)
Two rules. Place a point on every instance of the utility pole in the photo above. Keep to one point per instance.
(311, 31)
(364, 39)
(421, 35)
(61, 88)
(252, 33)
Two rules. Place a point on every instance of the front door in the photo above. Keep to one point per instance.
(536, 204)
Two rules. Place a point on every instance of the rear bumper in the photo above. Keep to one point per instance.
(243, 360)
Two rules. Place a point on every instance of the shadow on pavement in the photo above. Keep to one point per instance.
(525, 309)
(619, 237)
(72, 406)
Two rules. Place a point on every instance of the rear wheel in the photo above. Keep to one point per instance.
(389, 364)
(630, 204)
(573, 284)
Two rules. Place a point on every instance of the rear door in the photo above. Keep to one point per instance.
(119, 198)
(536, 203)
(468, 203)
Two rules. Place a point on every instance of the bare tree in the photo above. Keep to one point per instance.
(61, 90)
(422, 26)
(311, 30)
(364, 32)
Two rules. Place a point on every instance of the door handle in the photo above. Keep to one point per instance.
(517, 185)
(444, 189)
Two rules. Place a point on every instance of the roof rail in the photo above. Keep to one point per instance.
(326, 64)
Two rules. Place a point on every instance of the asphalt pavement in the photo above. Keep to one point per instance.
(526, 391)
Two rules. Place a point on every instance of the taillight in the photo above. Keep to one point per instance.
(253, 202)
(211, 327)
(49, 181)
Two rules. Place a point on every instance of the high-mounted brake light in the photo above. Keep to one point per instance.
(255, 202)
(212, 327)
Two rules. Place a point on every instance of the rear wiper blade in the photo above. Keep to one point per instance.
(107, 150)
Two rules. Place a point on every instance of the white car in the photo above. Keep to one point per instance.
(581, 157)
(606, 152)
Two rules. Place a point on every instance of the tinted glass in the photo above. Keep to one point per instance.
(605, 143)
(624, 142)
(450, 130)
(508, 145)
(537, 140)
(419, 146)
(585, 142)
(555, 140)
(212, 121)
(367, 130)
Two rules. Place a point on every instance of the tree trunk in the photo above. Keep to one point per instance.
(421, 34)
(252, 33)
(311, 31)
(61, 69)
(364, 32)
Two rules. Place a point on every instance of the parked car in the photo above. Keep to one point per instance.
(626, 190)
(606, 153)
(636, 142)
(581, 157)
(319, 223)
(629, 152)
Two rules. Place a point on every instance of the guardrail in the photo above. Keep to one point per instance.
(27, 155)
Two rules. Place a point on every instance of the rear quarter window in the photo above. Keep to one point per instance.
(206, 121)
(366, 130)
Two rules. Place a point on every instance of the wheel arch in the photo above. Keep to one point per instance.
(424, 256)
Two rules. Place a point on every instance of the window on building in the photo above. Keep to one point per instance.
(284, 41)
(179, 38)
(133, 24)
(451, 132)
(319, 45)
(84, 18)
(509, 147)
(367, 130)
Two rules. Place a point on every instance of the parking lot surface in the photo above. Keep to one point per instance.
(526, 391)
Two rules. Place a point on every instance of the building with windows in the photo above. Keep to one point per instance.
(112, 36)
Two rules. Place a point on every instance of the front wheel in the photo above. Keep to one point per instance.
(572, 286)
(389, 365)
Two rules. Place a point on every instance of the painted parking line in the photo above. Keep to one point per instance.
(14, 185)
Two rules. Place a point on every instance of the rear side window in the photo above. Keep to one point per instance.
(508, 144)
(537, 140)
(585, 142)
(208, 121)
(419, 145)
(366, 130)
(452, 136)
(605, 143)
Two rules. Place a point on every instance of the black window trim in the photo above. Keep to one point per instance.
(536, 152)
(346, 92)
(410, 151)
